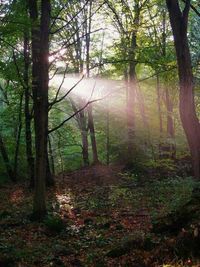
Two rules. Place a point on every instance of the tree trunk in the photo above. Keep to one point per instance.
(60, 156)
(40, 80)
(84, 137)
(29, 152)
(131, 94)
(92, 135)
(88, 30)
(158, 91)
(108, 133)
(90, 114)
(82, 124)
(6, 160)
(51, 156)
(159, 107)
(49, 177)
(19, 129)
(132, 86)
(190, 122)
(170, 124)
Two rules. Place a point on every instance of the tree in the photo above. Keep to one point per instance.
(190, 122)
(40, 79)
(83, 126)
(6, 160)
(127, 18)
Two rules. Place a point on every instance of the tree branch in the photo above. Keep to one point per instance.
(65, 95)
(193, 8)
(67, 22)
(186, 9)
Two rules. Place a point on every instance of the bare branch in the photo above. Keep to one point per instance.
(66, 44)
(116, 16)
(58, 91)
(12, 46)
(67, 22)
(65, 95)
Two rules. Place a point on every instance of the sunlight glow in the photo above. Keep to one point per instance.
(86, 88)
(57, 57)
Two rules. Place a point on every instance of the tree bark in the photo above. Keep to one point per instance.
(51, 156)
(40, 80)
(108, 133)
(88, 30)
(28, 118)
(6, 160)
(159, 106)
(132, 84)
(18, 137)
(131, 102)
(90, 114)
(82, 124)
(49, 177)
(170, 125)
(84, 137)
(92, 135)
(190, 122)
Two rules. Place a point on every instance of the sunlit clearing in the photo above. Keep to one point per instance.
(88, 89)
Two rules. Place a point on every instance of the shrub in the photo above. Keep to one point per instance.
(54, 223)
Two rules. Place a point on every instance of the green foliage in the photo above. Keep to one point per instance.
(3, 177)
(98, 200)
(161, 164)
(54, 223)
(169, 195)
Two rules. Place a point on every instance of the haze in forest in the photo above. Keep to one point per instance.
(99, 133)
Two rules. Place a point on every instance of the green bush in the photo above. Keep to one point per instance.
(54, 223)
(168, 195)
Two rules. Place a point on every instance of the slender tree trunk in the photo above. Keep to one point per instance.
(49, 177)
(28, 118)
(84, 137)
(159, 107)
(131, 102)
(90, 114)
(92, 135)
(170, 124)
(108, 134)
(51, 156)
(142, 107)
(18, 137)
(6, 160)
(88, 30)
(190, 122)
(60, 156)
(170, 145)
(40, 80)
(158, 90)
(82, 124)
(132, 87)
(82, 116)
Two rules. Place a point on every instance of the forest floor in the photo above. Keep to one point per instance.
(98, 217)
